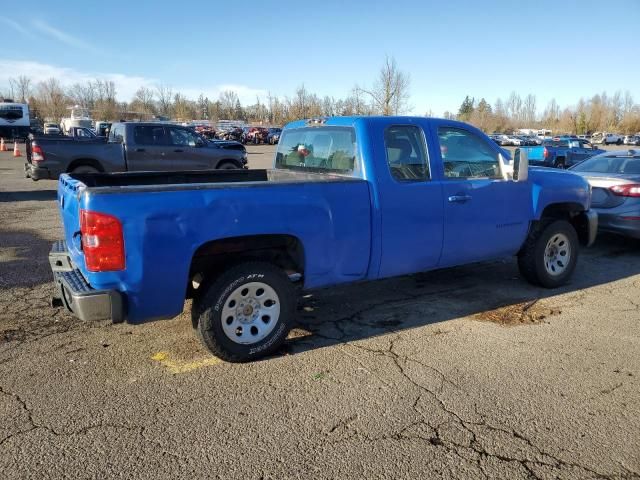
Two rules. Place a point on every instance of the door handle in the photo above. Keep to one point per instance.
(178, 151)
(459, 198)
(140, 149)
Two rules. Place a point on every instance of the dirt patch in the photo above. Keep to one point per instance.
(525, 313)
(10, 335)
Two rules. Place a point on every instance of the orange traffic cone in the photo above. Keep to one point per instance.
(3, 147)
(16, 152)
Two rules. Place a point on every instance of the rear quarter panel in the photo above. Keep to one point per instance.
(163, 229)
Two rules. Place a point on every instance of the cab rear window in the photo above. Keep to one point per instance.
(330, 149)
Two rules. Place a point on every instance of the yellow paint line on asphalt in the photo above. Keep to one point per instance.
(182, 366)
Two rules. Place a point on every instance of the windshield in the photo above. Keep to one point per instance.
(613, 164)
(317, 148)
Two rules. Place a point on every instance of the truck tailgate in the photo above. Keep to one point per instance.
(69, 206)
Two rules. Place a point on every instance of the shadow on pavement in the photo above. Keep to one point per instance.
(23, 259)
(28, 196)
(487, 291)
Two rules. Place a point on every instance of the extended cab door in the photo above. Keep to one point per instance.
(187, 151)
(410, 202)
(579, 150)
(485, 216)
(146, 151)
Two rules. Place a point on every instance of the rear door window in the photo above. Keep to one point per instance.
(330, 149)
(467, 155)
(149, 135)
(406, 153)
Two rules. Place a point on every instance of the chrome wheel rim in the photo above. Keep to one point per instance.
(250, 313)
(557, 254)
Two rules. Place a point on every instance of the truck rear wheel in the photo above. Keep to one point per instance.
(246, 312)
(85, 169)
(560, 163)
(549, 254)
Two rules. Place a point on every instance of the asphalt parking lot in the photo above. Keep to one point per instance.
(462, 373)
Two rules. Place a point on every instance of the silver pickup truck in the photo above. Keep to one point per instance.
(132, 146)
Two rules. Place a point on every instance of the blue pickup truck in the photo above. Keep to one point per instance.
(561, 152)
(348, 199)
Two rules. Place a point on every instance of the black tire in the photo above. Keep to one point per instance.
(227, 166)
(208, 308)
(85, 169)
(619, 142)
(560, 163)
(531, 259)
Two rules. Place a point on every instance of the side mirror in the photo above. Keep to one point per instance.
(520, 165)
(505, 167)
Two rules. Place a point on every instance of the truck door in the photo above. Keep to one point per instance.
(148, 150)
(579, 150)
(185, 152)
(484, 215)
(410, 202)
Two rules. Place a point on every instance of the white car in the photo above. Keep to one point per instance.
(632, 140)
(51, 129)
(606, 138)
(515, 141)
(502, 140)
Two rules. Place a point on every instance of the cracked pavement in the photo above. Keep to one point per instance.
(461, 373)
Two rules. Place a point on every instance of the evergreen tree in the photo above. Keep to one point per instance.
(466, 109)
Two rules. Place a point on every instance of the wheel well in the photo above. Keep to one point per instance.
(573, 213)
(84, 162)
(211, 258)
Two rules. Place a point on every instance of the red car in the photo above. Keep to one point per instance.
(255, 135)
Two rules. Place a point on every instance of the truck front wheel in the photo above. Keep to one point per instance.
(550, 253)
(246, 312)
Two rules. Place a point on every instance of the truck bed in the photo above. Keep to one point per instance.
(137, 181)
(167, 217)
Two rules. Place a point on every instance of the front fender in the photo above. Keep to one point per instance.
(558, 187)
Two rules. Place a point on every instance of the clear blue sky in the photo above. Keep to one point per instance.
(561, 49)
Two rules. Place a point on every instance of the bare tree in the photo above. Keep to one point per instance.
(390, 93)
(529, 109)
(21, 87)
(106, 105)
(143, 101)
(165, 97)
(83, 95)
(514, 107)
(52, 100)
(228, 100)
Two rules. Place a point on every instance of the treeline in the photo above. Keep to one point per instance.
(388, 95)
(602, 112)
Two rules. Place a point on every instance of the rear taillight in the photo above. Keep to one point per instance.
(545, 153)
(628, 190)
(37, 155)
(102, 241)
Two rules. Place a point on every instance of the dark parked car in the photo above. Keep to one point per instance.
(615, 181)
(273, 136)
(132, 147)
